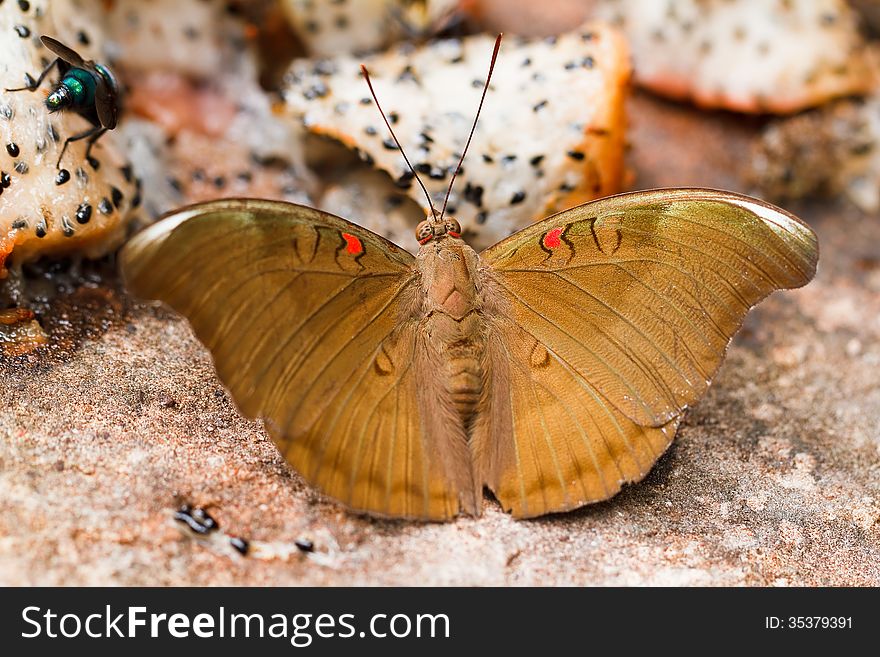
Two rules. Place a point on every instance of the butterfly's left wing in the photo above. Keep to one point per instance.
(606, 321)
(309, 319)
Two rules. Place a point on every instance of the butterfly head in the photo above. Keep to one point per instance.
(438, 226)
(430, 230)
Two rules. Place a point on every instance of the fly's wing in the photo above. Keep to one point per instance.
(309, 319)
(608, 320)
(106, 98)
(67, 54)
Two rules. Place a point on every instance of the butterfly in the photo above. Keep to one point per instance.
(552, 368)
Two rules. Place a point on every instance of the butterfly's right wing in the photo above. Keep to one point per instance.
(609, 320)
(545, 439)
(309, 319)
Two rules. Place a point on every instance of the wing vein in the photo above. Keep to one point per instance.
(636, 395)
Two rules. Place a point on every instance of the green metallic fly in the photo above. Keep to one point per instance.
(87, 88)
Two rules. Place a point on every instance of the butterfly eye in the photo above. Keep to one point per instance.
(453, 227)
(424, 231)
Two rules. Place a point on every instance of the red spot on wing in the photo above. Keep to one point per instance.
(353, 244)
(551, 238)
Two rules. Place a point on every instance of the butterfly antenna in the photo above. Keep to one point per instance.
(474, 127)
(397, 141)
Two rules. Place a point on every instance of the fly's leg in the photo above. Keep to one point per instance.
(92, 134)
(33, 84)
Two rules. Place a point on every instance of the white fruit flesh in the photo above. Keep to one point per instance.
(745, 55)
(82, 207)
(350, 26)
(551, 134)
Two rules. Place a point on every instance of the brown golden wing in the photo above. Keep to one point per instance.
(545, 440)
(605, 322)
(309, 321)
(381, 436)
(641, 293)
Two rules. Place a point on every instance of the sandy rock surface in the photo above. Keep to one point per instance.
(774, 478)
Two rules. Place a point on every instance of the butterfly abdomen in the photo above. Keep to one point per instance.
(460, 345)
(465, 376)
(454, 321)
